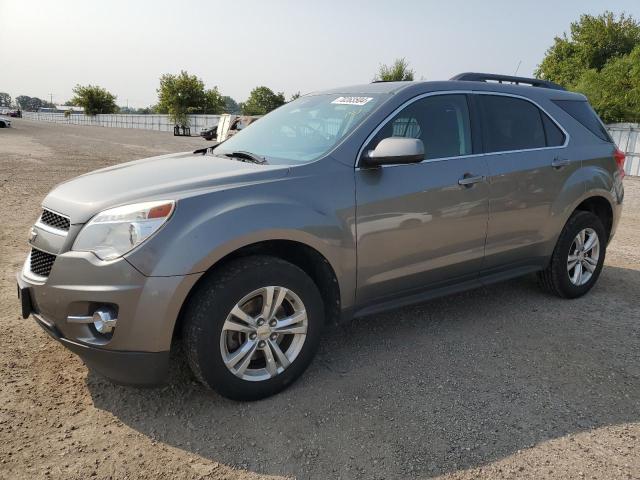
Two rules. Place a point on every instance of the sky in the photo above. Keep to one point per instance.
(47, 47)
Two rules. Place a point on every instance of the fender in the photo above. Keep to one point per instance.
(227, 220)
(592, 179)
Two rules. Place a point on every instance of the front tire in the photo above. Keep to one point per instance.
(252, 327)
(578, 257)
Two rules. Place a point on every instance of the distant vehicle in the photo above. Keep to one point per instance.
(336, 205)
(5, 122)
(15, 113)
(227, 126)
(240, 123)
(210, 133)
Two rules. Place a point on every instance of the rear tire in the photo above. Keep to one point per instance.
(249, 305)
(582, 244)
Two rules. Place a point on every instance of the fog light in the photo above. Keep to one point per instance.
(104, 320)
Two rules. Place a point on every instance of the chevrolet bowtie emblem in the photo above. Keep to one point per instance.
(33, 234)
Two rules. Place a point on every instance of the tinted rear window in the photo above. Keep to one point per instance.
(583, 113)
(511, 124)
(555, 137)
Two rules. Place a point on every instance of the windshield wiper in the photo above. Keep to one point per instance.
(247, 157)
(206, 150)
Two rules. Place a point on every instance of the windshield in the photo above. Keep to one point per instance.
(302, 130)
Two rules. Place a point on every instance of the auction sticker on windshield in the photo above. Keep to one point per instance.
(352, 100)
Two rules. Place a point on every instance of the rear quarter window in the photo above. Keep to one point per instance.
(583, 113)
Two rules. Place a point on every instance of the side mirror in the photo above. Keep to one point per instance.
(394, 150)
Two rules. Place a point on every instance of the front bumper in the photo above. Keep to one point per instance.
(126, 368)
(137, 350)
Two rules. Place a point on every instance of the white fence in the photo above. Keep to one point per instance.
(627, 137)
(146, 122)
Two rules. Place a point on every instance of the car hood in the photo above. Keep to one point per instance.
(165, 177)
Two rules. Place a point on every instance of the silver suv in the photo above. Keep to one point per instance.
(339, 204)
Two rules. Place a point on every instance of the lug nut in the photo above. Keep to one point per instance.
(262, 344)
(274, 336)
(260, 322)
(253, 336)
(273, 323)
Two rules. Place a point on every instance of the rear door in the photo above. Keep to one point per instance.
(417, 226)
(528, 167)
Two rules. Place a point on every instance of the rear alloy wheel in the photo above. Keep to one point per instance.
(584, 254)
(252, 327)
(578, 258)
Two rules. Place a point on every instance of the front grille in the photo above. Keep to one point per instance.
(41, 262)
(54, 220)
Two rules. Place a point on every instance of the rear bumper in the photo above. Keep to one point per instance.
(126, 368)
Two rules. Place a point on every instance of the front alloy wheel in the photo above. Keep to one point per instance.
(252, 327)
(264, 333)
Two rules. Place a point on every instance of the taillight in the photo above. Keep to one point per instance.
(620, 157)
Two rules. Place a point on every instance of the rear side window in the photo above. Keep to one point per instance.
(510, 124)
(440, 121)
(555, 137)
(583, 113)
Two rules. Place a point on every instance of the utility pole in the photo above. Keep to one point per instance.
(51, 98)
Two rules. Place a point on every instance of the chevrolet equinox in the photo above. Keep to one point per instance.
(337, 205)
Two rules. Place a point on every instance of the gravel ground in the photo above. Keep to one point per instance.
(502, 382)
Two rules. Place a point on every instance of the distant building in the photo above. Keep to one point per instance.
(62, 109)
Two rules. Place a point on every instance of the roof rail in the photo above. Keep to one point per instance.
(486, 77)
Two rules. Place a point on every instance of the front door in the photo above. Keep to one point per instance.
(422, 225)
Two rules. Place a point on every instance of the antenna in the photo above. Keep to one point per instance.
(517, 68)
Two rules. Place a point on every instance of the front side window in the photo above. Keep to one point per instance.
(440, 121)
(303, 130)
(510, 124)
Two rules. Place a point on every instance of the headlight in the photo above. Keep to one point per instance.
(114, 232)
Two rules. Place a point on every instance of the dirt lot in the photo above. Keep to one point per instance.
(504, 382)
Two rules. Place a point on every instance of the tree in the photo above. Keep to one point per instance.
(614, 91)
(599, 58)
(23, 101)
(147, 110)
(184, 94)
(5, 99)
(592, 42)
(261, 101)
(94, 99)
(295, 96)
(397, 72)
(32, 104)
(231, 106)
(214, 103)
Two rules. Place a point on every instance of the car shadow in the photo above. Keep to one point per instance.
(454, 383)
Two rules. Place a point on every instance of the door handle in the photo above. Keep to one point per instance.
(469, 180)
(560, 162)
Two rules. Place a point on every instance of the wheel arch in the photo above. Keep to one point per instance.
(599, 206)
(305, 257)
